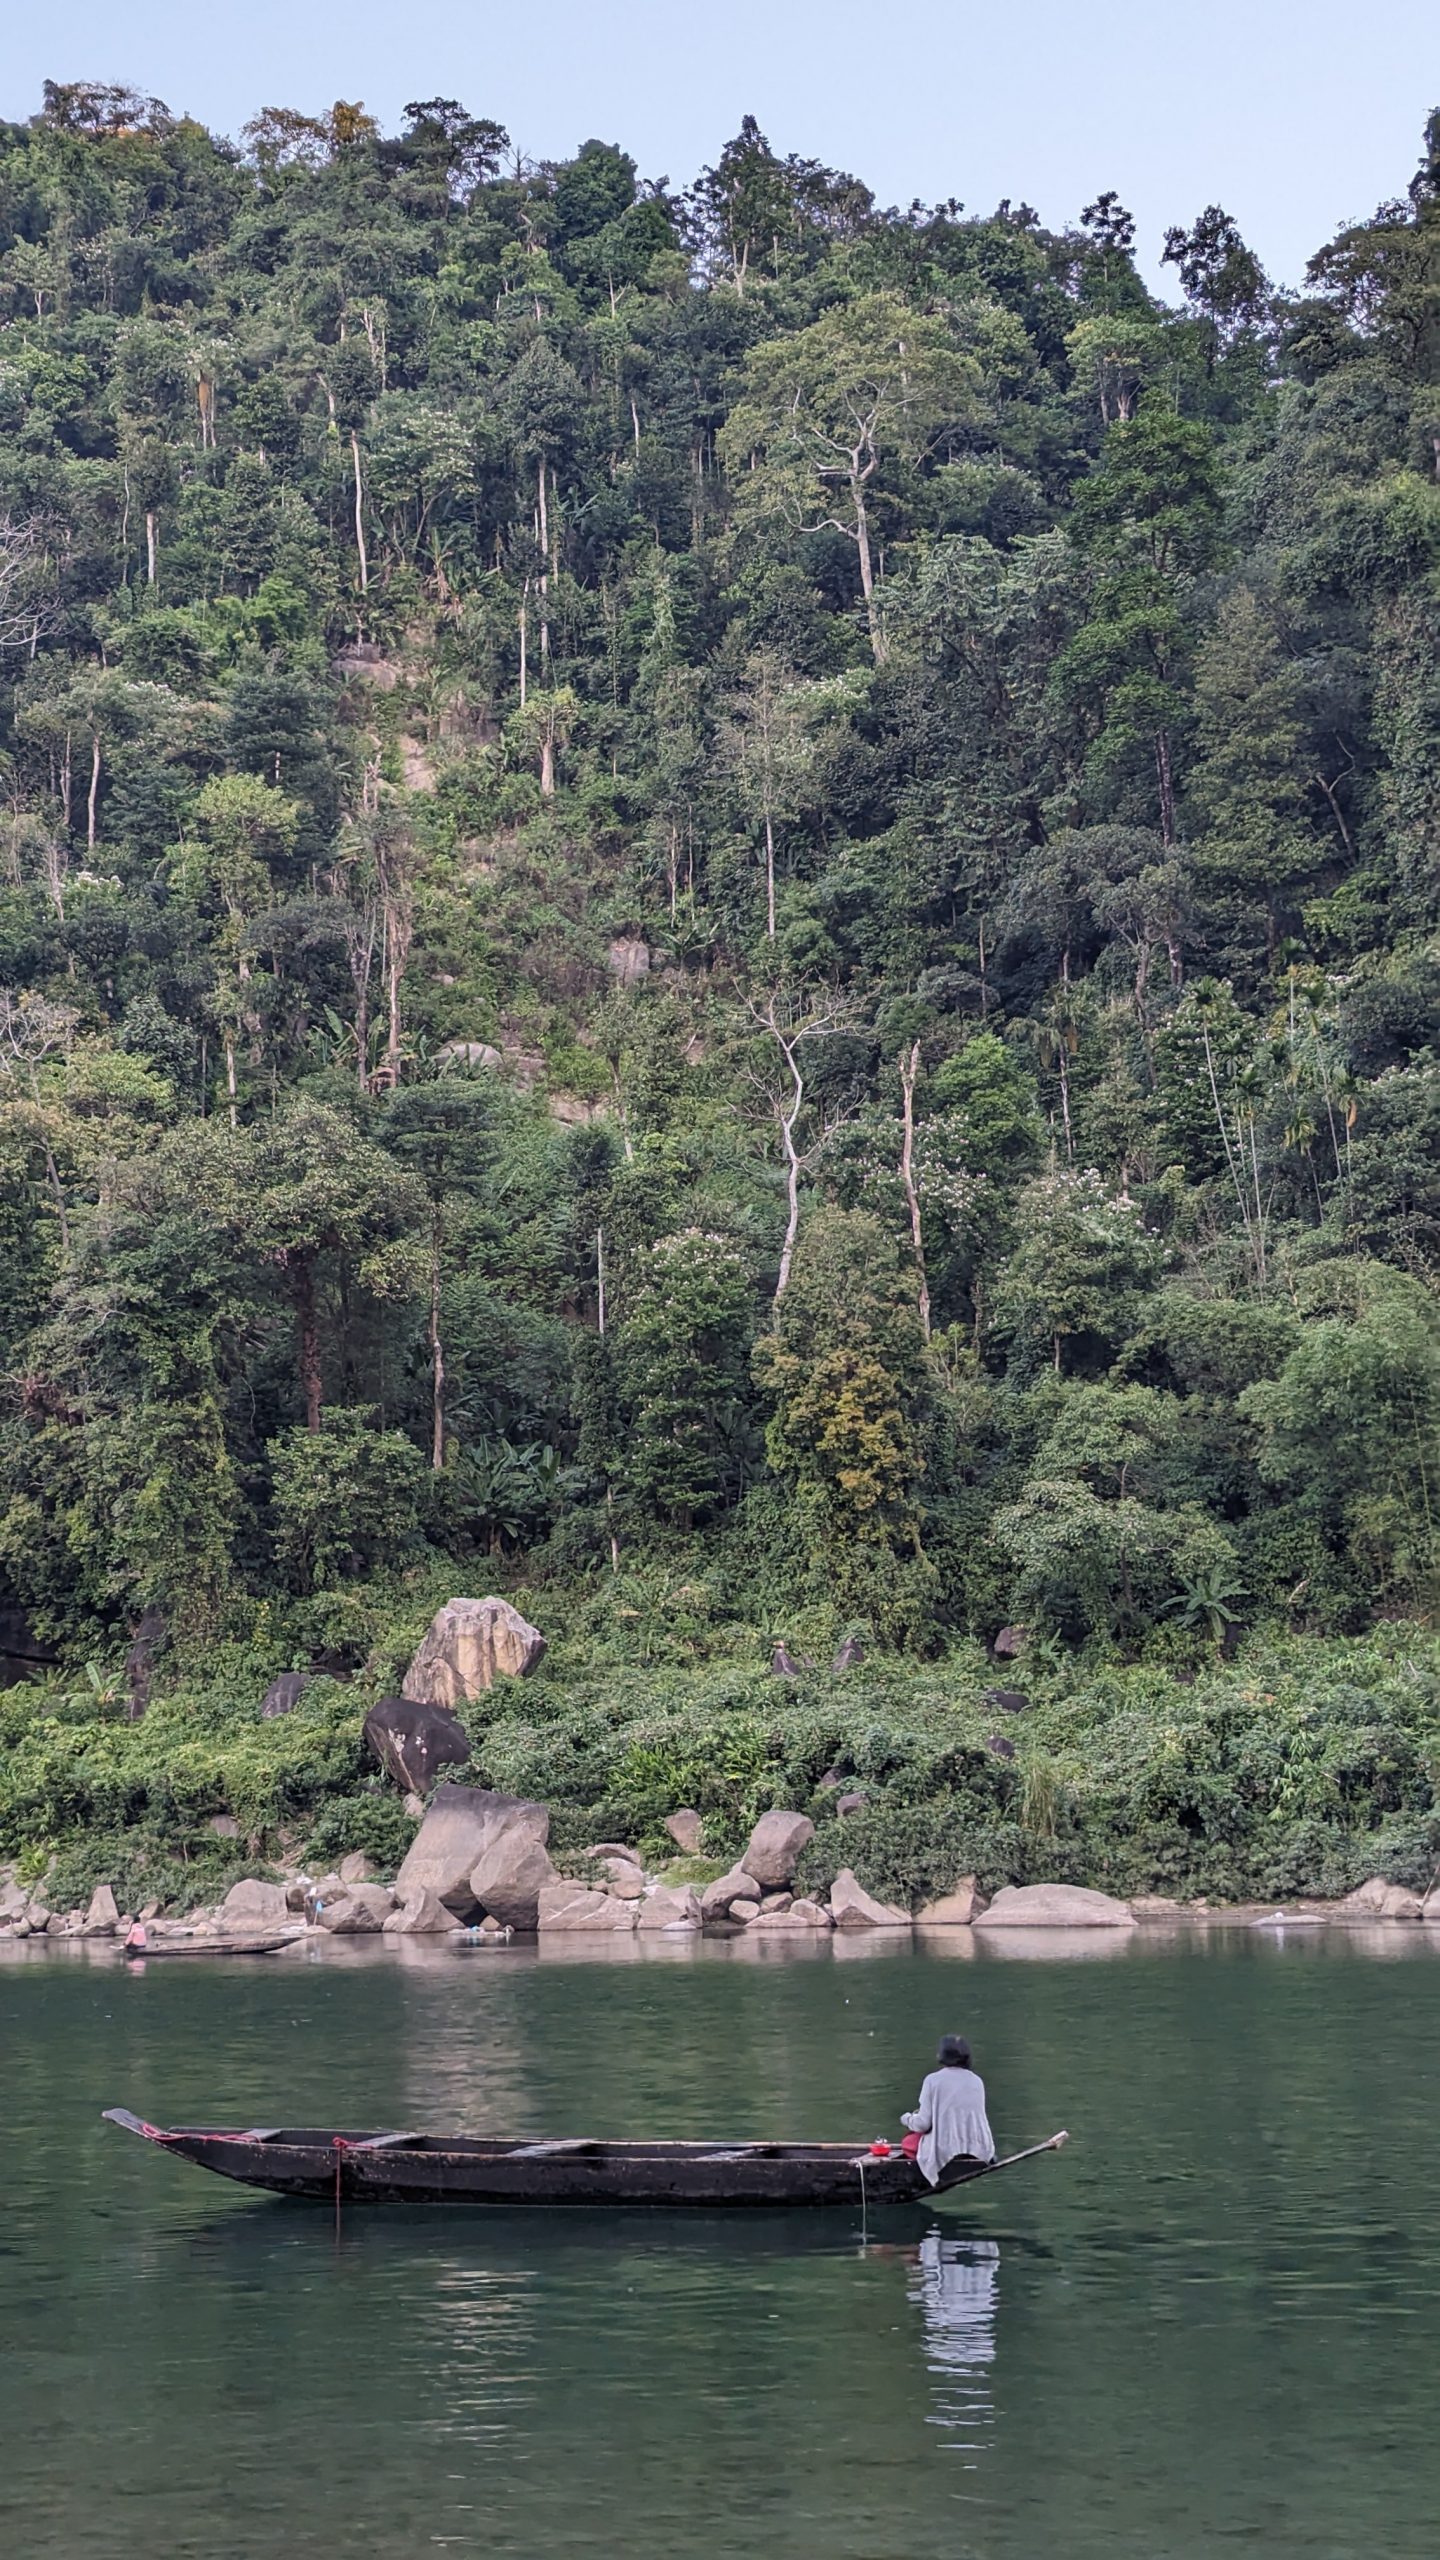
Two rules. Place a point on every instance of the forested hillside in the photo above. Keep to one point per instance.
(721, 902)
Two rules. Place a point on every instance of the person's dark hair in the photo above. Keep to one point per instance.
(954, 2050)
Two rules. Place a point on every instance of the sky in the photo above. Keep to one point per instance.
(1296, 115)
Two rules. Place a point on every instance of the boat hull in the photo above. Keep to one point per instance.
(326, 2167)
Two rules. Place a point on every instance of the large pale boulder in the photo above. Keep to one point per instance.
(14, 1903)
(460, 1827)
(670, 1907)
(565, 1906)
(954, 1910)
(627, 1877)
(718, 1898)
(510, 1875)
(744, 1910)
(413, 1742)
(774, 1848)
(253, 1905)
(686, 1829)
(1377, 1899)
(469, 1646)
(1055, 1906)
(102, 1918)
(851, 1907)
(799, 1919)
(357, 1912)
(422, 1915)
(1431, 1911)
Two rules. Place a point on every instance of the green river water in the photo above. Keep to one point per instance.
(1207, 2327)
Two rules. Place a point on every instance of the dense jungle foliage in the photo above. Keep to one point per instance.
(720, 906)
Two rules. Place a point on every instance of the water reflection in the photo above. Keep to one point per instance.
(954, 2282)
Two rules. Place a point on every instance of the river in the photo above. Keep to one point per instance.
(1206, 2327)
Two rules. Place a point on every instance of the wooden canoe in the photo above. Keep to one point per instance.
(414, 2168)
(266, 1942)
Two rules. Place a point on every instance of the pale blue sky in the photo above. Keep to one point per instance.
(1295, 114)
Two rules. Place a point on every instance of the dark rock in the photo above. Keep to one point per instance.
(852, 1802)
(1001, 1745)
(1009, 1642)
(146, 1645)
(283, 1695)
(1012, 1700)
(413, 1742)
(784, 1664)
(850, 1655)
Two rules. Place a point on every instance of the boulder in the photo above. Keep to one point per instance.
(1055, 1906)
(1431, 1911)
(797, 1918)
(415, 1807)
(414, 1741)
(686, 1830)
(954, 1910)
(717, 1898)
(461, 1826)
(359, 1911)
(774, 1848)
(613, 1849)
(628, 959)
(283, 1695)
(573, 1906)
(670, 1907)
(470, 1645)
(224, 1826)
(253, 1905)
(850, 1655)
(853, 1801)
(469, 1053)
(102, 1918)
(297, 1890)
(627, 1878)
(771, 1902)
(36, 1920)
(1376, 1899)
(1012, 1700)
(510, 1874)
(851, 1907)
(356, 1868)
(1009, 1642)
(1001, 1745)
(423, 1915)
(744, 1909)
(14, 1902)
(784, 1664)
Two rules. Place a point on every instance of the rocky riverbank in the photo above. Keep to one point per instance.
(480, 1867)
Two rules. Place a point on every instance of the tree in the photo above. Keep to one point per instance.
(309, 1189)
(822, 414)
(682, 1370)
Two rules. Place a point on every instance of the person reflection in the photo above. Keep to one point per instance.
(954, 2283)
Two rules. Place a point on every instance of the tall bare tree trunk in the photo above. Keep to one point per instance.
(867, 574)
(437, 1355)
(302, 1291)
(542, 537)
(152, 546)
(360, 513)
(90, 805)
(909, 1070)
(769, 876)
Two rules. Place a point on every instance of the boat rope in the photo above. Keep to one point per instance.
(339, 2144)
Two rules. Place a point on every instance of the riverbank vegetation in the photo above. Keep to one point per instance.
(719, 906)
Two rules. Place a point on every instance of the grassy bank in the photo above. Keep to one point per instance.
(1302, 1765)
